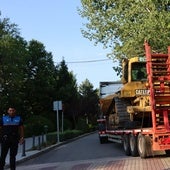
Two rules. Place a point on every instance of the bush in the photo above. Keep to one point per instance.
(67, 124)
(35, 125)
(82, 125)
(68, 134)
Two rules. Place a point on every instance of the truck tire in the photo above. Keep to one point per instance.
(133, 145)
(142, 146)
(101, 140)
(167, 153)
(126, 144)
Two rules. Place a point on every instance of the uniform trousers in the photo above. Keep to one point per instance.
(9, 144)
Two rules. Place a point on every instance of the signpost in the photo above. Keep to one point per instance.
(57, 105)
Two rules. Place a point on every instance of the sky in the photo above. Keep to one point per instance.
(57, 24)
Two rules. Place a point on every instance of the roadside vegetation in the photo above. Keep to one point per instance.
(30, 81)
(123, 26)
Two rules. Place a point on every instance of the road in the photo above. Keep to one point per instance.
(88, 153)
(85, 148)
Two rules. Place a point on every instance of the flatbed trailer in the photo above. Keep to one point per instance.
(137, 142)
(145, 140)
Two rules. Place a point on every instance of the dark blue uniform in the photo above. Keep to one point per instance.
(10, 138)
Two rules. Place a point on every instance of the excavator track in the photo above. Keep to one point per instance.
(120, 108)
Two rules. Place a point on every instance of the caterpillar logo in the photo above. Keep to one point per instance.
(142, 92)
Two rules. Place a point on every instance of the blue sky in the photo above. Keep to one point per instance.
(57, 24)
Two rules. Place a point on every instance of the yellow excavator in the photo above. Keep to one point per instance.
(128, 106)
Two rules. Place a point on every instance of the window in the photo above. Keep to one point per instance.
(138, 71)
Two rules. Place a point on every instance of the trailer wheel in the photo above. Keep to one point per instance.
(133, 145)
(126, 144)
(103, 140)
(142, 149)
(167, 152)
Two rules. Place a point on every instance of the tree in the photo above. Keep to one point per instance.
(67, 91)
(89, 100)
(124, 25)
(39, 83)
(12, 53)
(30, 81)
(66, 83)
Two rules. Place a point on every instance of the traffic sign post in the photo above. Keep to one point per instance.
(57, 105)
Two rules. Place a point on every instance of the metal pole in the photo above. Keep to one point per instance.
(33, 141)
(62, 122)
(39, 143)
(58, 138)
(42, 138)
(23, 149)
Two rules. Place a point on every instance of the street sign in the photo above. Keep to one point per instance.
(57, 105)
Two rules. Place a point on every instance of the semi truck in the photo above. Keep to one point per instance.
(138, 114)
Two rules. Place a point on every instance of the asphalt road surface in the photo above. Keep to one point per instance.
(87, 153)
(84, 148)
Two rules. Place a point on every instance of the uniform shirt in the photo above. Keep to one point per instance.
(10, 125)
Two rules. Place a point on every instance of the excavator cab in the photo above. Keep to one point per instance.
(138, 72)
(134, 69)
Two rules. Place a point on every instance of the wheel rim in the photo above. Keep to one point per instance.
(140, 144)
(125, 143)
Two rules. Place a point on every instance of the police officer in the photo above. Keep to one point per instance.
(12, 134)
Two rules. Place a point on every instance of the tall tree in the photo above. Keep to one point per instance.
(12, 62)
(89, 98)
(67, 91)
(30, 80)
(124, 25)
(66, 82)
(39, 84)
